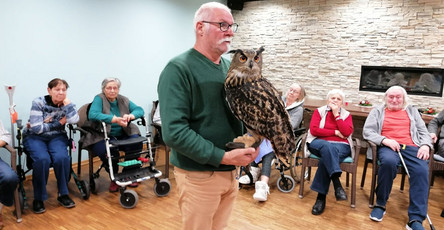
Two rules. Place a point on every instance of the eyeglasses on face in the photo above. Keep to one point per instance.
(110, 88)
(223, 26)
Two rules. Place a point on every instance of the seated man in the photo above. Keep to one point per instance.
(8, 178)
(397, 126)
(433, 130)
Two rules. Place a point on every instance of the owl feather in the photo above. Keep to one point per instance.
(257, 103)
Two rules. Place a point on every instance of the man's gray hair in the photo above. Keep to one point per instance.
(110, 79)
(406, 100)
(205, 10)
(336, 91)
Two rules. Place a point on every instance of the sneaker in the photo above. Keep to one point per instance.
(377, 213)
(414, 225)
(38, 206)
(255, 173)
(262, 190)
(66, 201)
(113, 187)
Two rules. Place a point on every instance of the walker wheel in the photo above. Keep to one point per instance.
(129, 198)
(285, 183)
(162, 188)
(84, 189)
(94, 185)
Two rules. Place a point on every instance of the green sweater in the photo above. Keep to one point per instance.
(196, 119)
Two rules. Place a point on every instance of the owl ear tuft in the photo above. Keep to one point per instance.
(260, 50)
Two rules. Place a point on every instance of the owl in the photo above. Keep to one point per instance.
(257, 103)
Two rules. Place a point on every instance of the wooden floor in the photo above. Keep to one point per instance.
(281, 211)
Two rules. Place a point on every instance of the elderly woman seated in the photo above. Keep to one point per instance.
(329, 137)
(117, 111)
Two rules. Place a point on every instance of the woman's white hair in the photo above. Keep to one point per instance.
(110, 79)
(205, 11)
(406, 99)
(302, 94)
(336, 91)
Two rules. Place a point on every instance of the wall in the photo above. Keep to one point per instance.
(322, 44)
(85, 41)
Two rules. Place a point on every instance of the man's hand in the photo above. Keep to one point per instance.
(423, 152)
(240, 157)
(394, 145)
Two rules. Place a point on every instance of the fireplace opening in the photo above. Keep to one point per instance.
(416, 81)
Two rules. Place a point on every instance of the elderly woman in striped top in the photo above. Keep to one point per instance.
(46, 141)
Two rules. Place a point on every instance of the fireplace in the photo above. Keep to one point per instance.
(416, 81)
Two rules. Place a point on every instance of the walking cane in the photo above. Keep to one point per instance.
(408, 174)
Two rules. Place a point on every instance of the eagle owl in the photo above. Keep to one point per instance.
(255, 101)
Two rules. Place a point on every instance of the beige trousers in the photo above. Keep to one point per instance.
(206, 199)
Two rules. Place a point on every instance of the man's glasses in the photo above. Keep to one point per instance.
(223, 26)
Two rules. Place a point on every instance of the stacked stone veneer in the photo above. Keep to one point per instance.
(322, 44)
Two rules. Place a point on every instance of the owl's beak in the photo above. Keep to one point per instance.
(251, 64)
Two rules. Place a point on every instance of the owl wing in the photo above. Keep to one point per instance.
(259, 106)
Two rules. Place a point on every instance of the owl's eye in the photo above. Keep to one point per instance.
(257, 59)
(242, 58)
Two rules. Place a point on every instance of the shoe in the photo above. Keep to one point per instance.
(262, 190)
(134, 185)
(340, 194)
(318, 207)
(38, 206)
(66, 201)
(255, 173)
(414, 225)
(377, 213)
(113, 187)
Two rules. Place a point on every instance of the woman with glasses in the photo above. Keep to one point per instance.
(117, 111)
(294, 102)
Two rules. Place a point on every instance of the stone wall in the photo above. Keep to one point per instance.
(323, 43)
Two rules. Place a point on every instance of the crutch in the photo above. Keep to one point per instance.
(408, 174)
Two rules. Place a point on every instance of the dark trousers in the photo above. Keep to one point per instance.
(8, 183)
(419, 179)
(331, 155)
(43, 150)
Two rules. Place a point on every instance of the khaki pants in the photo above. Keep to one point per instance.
(206, 199)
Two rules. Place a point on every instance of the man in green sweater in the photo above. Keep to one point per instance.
(197, 123)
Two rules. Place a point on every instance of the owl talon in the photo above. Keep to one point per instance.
(234, 145)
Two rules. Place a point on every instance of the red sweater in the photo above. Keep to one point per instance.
(331, 124)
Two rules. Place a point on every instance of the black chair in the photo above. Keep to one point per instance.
(158, 140)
